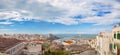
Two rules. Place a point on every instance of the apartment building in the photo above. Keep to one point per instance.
(116, 33)
(104, 42)
(109, 43)
(4, 54)
(33, 49)
(11, 46)
(92, 42)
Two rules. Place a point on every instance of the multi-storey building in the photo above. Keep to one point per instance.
(92, 42)
(11, 46)
(4, 54)
(109, 43)
(33, 49)
(104, 42)
(116, 32)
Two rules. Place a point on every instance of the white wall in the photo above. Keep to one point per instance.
(16, 50)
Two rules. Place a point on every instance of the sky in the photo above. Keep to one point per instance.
(58, 16)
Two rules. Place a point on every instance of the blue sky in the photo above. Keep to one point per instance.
(58, 16)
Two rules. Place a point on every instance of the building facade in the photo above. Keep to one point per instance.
(104, 42)
(33, 49)
(116, 33)
(11, 46)
(108, 43)
(16, 50)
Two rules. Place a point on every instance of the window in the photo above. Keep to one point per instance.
(115, 46)
(110, 46)
(118, 36)
(114, 35)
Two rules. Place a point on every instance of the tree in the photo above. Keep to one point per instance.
(58, 52)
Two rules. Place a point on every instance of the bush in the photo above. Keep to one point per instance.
(58, 52)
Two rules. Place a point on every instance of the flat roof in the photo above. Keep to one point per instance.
(36, 48)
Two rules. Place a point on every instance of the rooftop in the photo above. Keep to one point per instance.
(6, 43)
(36, 48)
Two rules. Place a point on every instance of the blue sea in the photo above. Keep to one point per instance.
(64, 37)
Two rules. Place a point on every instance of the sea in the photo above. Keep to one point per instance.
(64, 37)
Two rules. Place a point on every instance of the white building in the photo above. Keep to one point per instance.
(33, 49)
(116, 33)
(4, 54)
(92, 43)
(104, 43)
(11, 46)
(109, 43)
(16, 50)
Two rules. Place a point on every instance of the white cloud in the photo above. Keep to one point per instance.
(3, 29)
(91, 31)
(66, 21)
(6, 30)
(60, 11)
(6, 23)
(104, 20)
